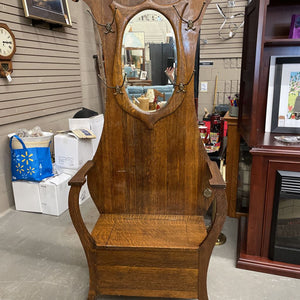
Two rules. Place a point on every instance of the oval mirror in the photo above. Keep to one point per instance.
(149, 60)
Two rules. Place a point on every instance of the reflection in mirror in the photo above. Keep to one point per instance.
(149, 60)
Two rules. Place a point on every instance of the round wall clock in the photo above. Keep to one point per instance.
(7, 49)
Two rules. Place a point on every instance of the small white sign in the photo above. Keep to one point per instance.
(8, 77)
(203, 86)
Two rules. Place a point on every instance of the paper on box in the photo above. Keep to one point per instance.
(70, 151)
(95, 124)
(54, 193)
(27, 196)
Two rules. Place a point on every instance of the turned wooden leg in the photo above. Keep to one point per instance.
(92, 290)
(202, 287)
(92, 295)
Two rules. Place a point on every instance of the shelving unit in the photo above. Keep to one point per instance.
(271, 42)
(266, 31)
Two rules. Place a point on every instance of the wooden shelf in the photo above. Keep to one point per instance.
(267, 140)
(271, 42)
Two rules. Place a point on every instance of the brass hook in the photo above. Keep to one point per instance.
(181, 86)
(118, 89)
(190, 23)
(108, 26)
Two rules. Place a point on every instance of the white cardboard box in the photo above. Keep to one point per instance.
(49, 196)
(95, 124)
(27, 196)
(84, 192)
(70, 151)
(54, 193)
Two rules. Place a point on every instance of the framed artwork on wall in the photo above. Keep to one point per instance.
(52, 11)
(283, 106)
(143, 75)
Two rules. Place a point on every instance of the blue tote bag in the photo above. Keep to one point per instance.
(32, 164)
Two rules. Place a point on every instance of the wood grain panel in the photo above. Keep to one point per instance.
(149, 279)
(46, 76)
(154, 231)
(161, 258)
(151, 293)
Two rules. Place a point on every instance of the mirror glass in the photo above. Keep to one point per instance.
(149, 60)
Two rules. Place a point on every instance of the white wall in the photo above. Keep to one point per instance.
(223, 80)
(223, 76)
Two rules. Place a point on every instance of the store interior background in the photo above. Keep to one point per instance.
(55, 73)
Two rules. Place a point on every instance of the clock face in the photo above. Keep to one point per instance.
(6, 43)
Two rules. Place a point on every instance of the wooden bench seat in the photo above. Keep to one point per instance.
(149, 231)
(148, 254)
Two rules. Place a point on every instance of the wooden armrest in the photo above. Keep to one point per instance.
(216, 180)
(76, 183)
(79, 178)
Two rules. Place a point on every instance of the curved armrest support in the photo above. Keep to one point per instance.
(205, 249)
(216, 180)
(76, 183)
(219, 196)
(219, 217)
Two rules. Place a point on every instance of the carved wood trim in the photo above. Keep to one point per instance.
(123, 16)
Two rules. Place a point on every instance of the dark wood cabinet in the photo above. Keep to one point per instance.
(232, 163)
(267, 25)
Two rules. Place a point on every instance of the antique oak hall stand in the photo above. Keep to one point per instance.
(150, 179)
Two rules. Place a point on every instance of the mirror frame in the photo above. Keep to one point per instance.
(123, 15)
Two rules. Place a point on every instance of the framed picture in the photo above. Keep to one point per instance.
(143, 75)
(52, 11)
(283, 107)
